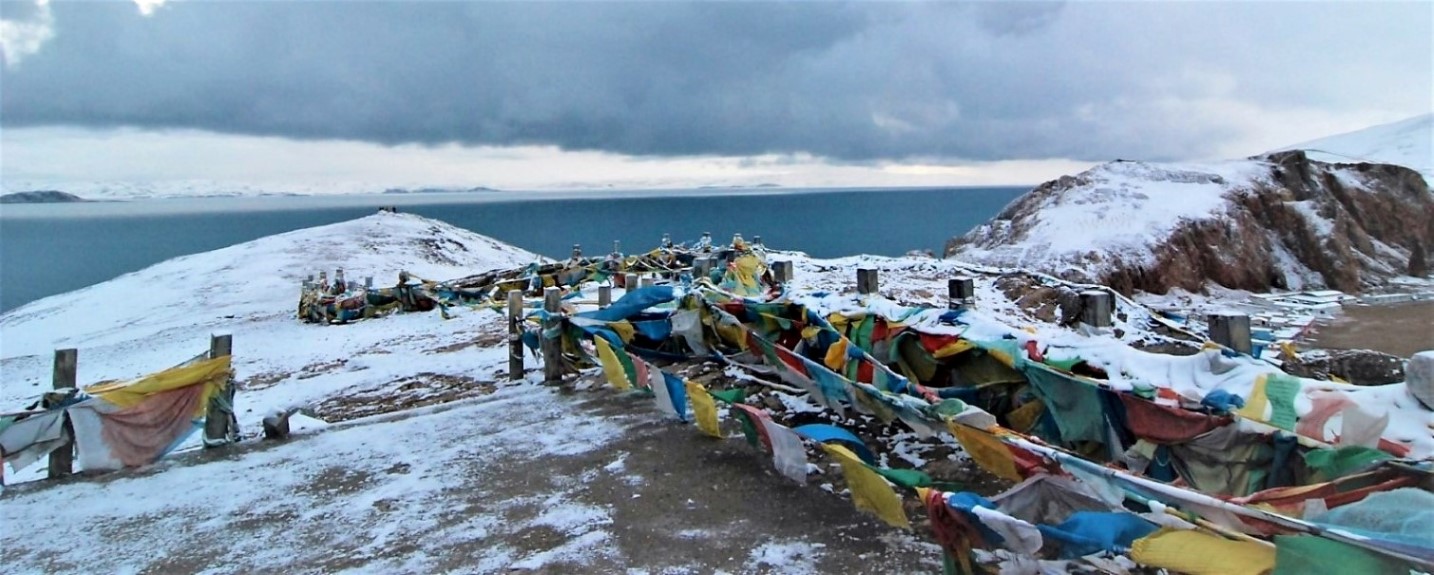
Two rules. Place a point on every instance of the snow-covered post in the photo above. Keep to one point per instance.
(552, 347)
(1419, 377)
(961, 292)
(866, 282)
(604, 296)
(1095, 308)
(221, 407)
(515, 334)
(782, 271)
(66, 364)
(1231, 330)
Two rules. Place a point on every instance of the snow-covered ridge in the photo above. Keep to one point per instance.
(1118, 210)
(1279, 221)
(1403, 143)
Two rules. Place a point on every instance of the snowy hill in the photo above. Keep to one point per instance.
(1279, 221)
(150, 319)
(1403, 143)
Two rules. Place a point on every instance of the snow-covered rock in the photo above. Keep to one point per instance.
(1278, 221)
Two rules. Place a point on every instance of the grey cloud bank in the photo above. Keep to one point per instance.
(849, 82)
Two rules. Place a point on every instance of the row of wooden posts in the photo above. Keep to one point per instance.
(62, 460)
(1231, 330)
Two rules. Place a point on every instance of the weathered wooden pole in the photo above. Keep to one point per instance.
(1095, 308)
(62, 459)
(515, 334)
(961, 292)
(552, 346)
(629, 282)
(1231, 330)
(221, 406)
(782, 272)
(604, 296)
(866, 281)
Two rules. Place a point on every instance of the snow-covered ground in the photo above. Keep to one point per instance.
(1405, 143)
(511, 475)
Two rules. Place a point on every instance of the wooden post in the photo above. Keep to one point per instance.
(62, 459)
(218, 417)
(1231, 330)
(961, 292)
(629, 282)
(515, 335)
(701, 268)
(782, 272)
(647, 281)
(1095, 308)
(866, 282)
(368, 282)
(604, 296)
(552, 348)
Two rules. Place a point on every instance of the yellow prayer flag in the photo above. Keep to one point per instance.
(1254, 408)
(868, 490)
(624, 329)
(704, 408)
(1199, 553)
(213, 373)
(987, 451)
(611, 366)
(835, 359)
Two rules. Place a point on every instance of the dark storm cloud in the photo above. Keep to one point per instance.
(854, 82)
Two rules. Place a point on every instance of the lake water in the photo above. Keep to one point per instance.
(55, 248)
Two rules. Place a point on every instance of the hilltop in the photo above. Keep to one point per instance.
(1280, 221)
(1403, 143)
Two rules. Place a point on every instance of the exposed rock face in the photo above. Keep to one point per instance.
(1279, 221)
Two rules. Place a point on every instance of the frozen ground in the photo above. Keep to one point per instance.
(501, 476)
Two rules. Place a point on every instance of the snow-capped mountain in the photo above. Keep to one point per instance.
(1403, 143)
(1278, 221)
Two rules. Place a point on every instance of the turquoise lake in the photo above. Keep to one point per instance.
(55, 248)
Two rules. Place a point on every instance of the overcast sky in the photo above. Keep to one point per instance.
(565, 94)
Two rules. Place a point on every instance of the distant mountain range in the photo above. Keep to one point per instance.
(40, 197)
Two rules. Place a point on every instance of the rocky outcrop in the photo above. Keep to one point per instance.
(1280, 221)
(1357, 366)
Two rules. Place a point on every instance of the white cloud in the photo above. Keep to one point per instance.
(147, 7)
(23, 36)
(128, 161)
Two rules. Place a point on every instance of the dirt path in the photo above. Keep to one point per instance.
(1400, 329)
